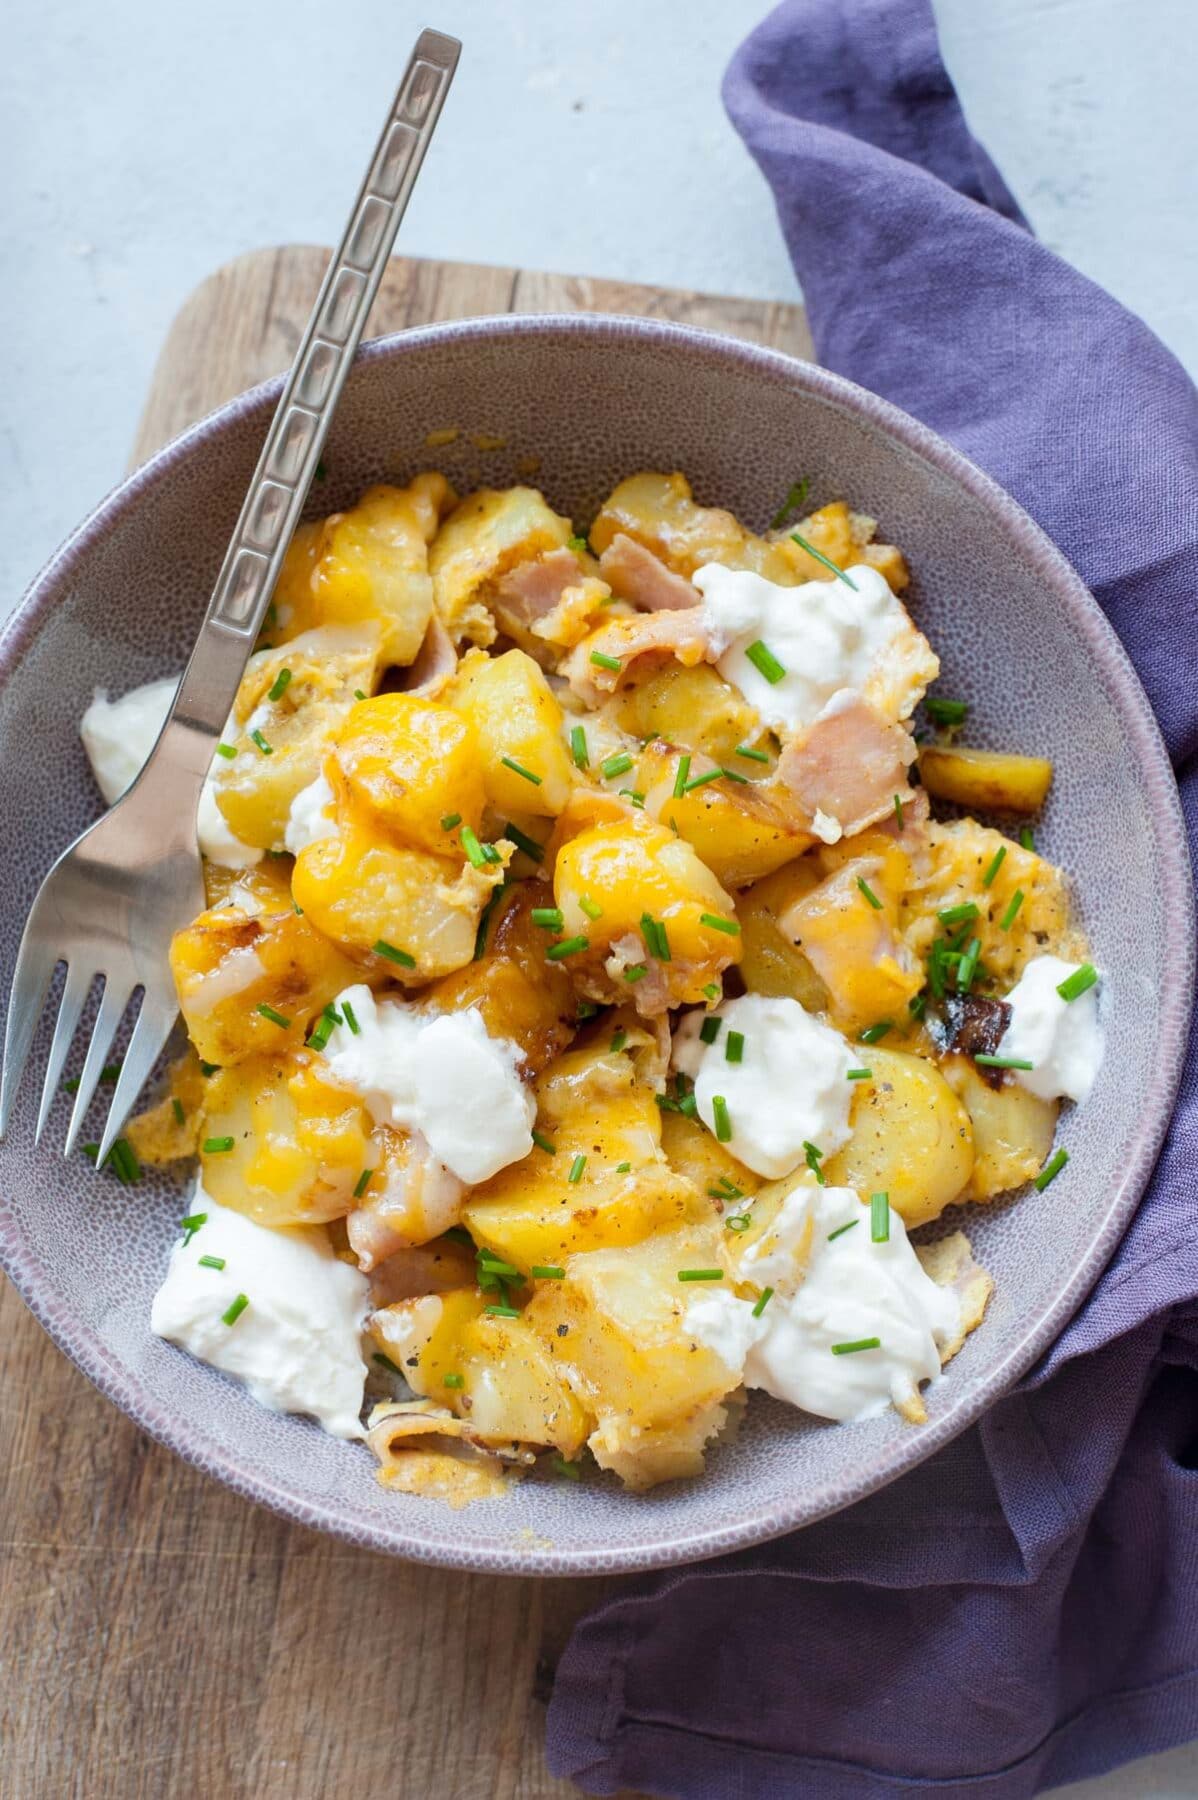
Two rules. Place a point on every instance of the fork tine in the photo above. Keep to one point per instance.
(149, 1035)
(74, 994)
(112, 1007)
(36, 964)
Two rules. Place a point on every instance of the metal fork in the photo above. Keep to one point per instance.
(112, 902)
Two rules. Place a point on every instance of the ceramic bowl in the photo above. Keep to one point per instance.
(592, 399)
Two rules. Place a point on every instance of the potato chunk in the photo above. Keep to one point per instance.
(986, 780)
(520, 996)
(515, 716)
(771, 961)
(741, 830)
(298, 1142)
(412, 764)
(1012, 1129)
(488, 533)
(847, 925)
(293, 699)
(912, 1138)
(693, 708)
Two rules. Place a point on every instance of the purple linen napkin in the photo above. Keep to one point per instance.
(1022, 1610)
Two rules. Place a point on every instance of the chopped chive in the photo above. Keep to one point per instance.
(747, 750)
(590, 907)
(688, 1106)
(1000, 856)
(602, 661)
(968, 965)
(637, 799)
(734, 1047)
(217, 1146)
(259, 739)
(710, 1029)
(351, 1018)
(879, 1218)
(544, 1143)
(615, 765)
(472, 847)
(450, 820)
(635, 972)
(549, 918)
(700, 1274)
(1001, 1062)
(191, 1224)
(716, 922)
(503, 1312)
(577, 543)
(682, 775)
(898, 811)
(958, 915)
(918, 1006)
(517, 768)
(712, 990)
(735, 775)
(358, 694)
(279, 686)
(212, 1262)
(576, 1168)
(1077, 983)
(624, 1168)
(826, 560)
(1008, 918)
(699, 781)
(384, 1362)
(547, 1272)
(276, 1018)
(763, 1301)
(567, 947)
(491, 854)
(451, 1379)
(383, 948)
(1026, 839)
(231, 1315)
(321, 470)
(794, 499)
(522, 841)
(877, 1032)
(321, 1034)
(868, 893)
(497, 1265)
(947, 712)
(570, 1470)
(619, 1039)
(657, 941)
(860, 1075)
(177, 1109)
(723, 1121)
(227, 751)
(841, 1229)
(736, 1222)
(814, 1157)
(362, 1183)
(765, 662)
(578, 747)
(1051, 1170)
(852, 1348)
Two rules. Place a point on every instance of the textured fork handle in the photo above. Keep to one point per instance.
(293, 445)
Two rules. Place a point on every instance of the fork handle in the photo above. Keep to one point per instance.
(291, 453)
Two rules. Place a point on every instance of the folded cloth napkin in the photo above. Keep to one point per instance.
(1022, 1610)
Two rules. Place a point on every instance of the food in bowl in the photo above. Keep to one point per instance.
(588, 1004)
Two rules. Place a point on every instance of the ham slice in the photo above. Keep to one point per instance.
(435, 662)
(849, 766)
(532, 589)
(679, 633)
(638, 576)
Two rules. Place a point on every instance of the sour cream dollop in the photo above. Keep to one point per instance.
(841, 1288)
(308, 820)
(826, 635)
(1062, 1039)
(297, 1344)
(441, 1074)
(789, 1089)
(118, 736)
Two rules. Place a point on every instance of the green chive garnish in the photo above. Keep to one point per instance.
(619, 1039)
(450, 821)
(1077, 983)
(826, 560)
(351, 1018)
(765, 662)
(967, 967)
(712, 990)
(217, 1146)
(681, 775)
(227, 751)
(747, 750)
(814, 1157)
(549, 918)
(547, 1272)
(177, 1109)
(259, 739)
(578, 747)
(576, 1168)
(999, 858)
(212, 1262)
(624, 1168)
(362, 1183)
(715, 922)
(918, 1006)
(1008, 918)
(1001, 1062)
(616, 765)
(522, 841)
(191, 1224)
(736, 1222)
(1051, 1170)
(868, 893)
(570, 1470)
(794, 499)
(472, 847)
(877, 1032)
(385, 1362)
(590, 907)
(234, 1312)
(1026, 839)
(636, 972)
(209, 1068)
(710, 1029)
(544, 1143)
(958, 915)
(383, 948)
(879, 1218)
(699, 781)
(452, 1379)
(852, 1348)
(606, 662)
(860, 1074)
(567, 947)
(279, 686)
(509, 762)
(734, 1047)
(358, 694)
(657, 941)
(841, 1229)
(503, 1312)
(766, 1296)
(700, 1274)
(898, 811)
(947, 712)
(723, 1121)
(276, 1018)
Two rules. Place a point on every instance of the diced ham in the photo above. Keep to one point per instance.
(424, 1269)
(850, 765)
(532, 589)
(420, 1200)
(679, 633)
(636, 575)
(435, 662)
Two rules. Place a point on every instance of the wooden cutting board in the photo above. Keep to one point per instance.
(158, 1635)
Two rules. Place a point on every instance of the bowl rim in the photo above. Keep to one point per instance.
(402, 1534)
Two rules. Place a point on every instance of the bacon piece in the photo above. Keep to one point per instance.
(849, 765)
(635, 574)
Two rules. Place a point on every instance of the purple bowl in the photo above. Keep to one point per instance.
(596, 398)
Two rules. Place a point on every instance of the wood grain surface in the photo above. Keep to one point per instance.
(160, 1637)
